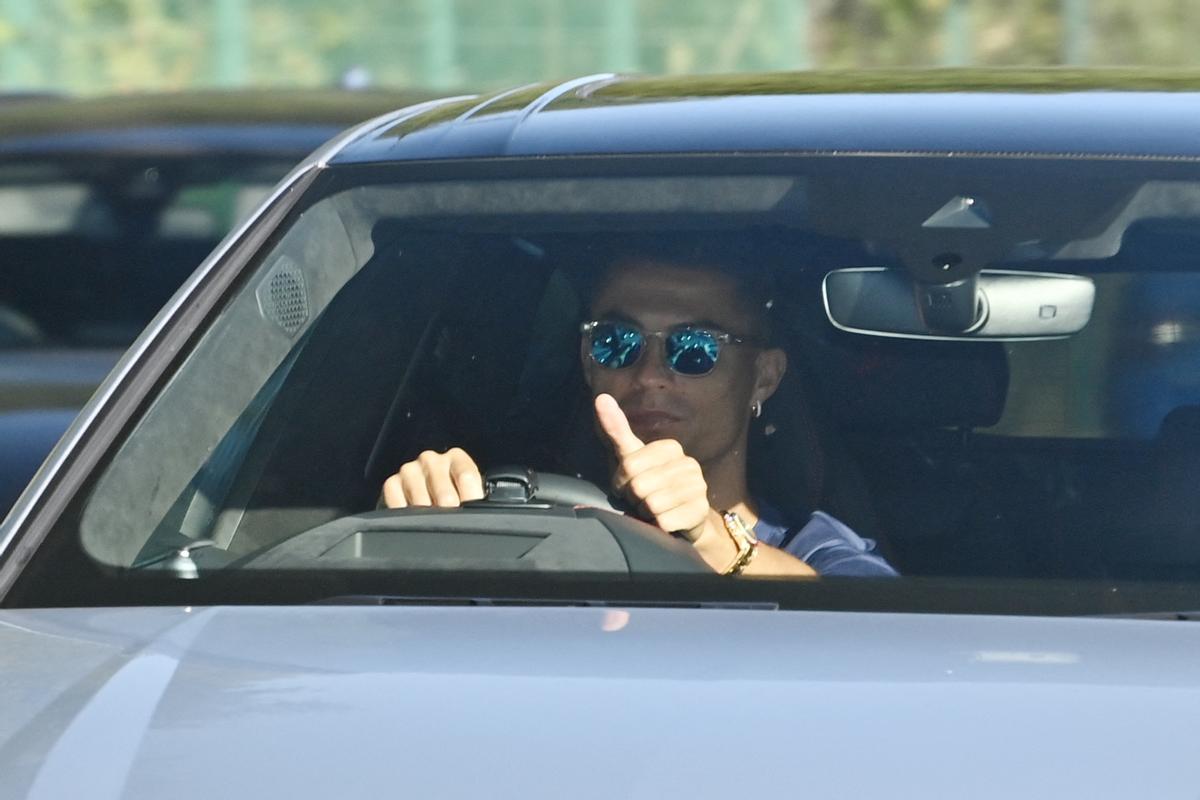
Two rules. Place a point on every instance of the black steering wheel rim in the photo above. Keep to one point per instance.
(515, 484)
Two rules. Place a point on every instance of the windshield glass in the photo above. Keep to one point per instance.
(399, 314)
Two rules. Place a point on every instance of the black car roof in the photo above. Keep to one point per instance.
(1117, 112)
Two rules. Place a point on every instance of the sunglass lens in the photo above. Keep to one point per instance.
(692, 352)
(615, 346)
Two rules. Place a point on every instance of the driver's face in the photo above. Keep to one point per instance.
(709, 415)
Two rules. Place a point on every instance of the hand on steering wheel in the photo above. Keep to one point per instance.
(665, 483)
(445, 480)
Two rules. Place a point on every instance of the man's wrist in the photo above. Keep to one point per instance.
(743, 538)
(715, 545)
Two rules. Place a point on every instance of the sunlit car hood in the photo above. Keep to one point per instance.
(587, 702)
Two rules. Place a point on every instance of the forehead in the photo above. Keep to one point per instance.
(659, 294)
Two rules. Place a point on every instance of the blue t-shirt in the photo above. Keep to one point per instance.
(824, 543)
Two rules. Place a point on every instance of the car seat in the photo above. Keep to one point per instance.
(908, 411)
(1148, 525)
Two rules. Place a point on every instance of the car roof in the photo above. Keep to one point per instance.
(1052, 111)
(253, 122)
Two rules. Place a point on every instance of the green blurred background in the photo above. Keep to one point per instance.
(101, 46)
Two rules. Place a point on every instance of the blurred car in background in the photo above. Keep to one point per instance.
(106, 205)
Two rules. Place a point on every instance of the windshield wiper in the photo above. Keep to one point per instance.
(1170, 616)
(401, 600)
(177, 559)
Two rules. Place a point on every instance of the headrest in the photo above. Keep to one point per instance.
(880, 383)
(505, 362)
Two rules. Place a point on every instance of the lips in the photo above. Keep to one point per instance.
(650, 419)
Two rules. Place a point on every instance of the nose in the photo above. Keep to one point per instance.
(651, 369)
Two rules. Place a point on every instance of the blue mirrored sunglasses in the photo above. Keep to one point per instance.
(688, 350)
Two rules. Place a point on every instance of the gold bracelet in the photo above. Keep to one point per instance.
(743, 537)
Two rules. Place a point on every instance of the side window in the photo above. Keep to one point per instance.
(1123, 374)
(42, 209)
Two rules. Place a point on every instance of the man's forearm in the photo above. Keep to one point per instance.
(718, 550)
(771, 561)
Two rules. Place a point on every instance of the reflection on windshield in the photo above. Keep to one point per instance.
(462, 376)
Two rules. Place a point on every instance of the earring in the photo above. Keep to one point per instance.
(756, 409)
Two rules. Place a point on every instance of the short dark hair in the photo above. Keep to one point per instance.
(729, 255)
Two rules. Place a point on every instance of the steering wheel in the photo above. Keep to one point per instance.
(517, 485)
(527, 519)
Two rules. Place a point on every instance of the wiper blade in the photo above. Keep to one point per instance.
(528, 602)
(177, 559)
(1170, 616)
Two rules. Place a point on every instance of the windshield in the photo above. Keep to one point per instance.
(398, 314)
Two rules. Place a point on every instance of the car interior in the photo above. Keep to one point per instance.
(959, 458)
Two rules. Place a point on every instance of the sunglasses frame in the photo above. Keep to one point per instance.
(721, 337)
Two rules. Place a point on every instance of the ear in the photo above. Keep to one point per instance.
(769, 366)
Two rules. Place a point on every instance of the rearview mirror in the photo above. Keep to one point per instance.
(992, 304)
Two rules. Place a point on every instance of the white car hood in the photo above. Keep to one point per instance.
(342, 702)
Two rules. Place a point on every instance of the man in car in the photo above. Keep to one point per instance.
(677, 357)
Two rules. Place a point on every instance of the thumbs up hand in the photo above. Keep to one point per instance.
(665, 483)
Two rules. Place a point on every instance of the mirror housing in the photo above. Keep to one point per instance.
(989, 305)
